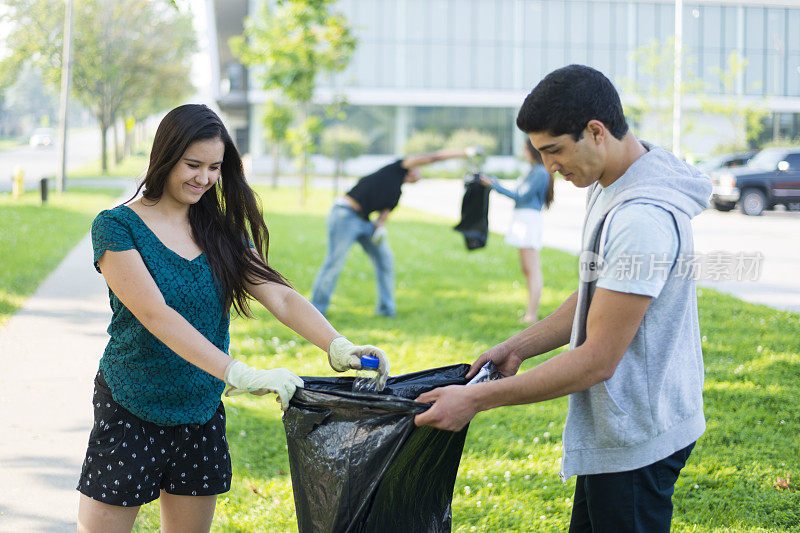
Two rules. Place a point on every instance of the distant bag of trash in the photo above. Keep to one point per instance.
(358, 462)
(474, 224)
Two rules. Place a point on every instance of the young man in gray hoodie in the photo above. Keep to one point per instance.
(634, 368)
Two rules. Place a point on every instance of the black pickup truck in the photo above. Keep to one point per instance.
(771, 178)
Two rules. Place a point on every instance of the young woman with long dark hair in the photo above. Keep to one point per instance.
(176, 261)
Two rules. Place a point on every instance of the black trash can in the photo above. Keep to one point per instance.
(358, 462)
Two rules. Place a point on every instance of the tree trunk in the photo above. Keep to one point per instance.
(304, 169)
(117, 145)
(337, 175)
(139, 137)
(304, 188)
(127, 139)
(276, 163)
(103, 147)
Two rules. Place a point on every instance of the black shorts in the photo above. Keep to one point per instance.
(130, 460)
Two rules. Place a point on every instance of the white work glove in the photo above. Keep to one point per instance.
(344, 355)
(472, 151)
(378, 235)
(242, 378)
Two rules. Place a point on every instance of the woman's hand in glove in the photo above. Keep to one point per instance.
(242, 378)
(344, 355)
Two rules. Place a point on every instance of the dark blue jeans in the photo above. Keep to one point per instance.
(636, 501)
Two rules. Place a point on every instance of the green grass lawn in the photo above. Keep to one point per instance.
(452, 305)
(7, 143)
(35, 238)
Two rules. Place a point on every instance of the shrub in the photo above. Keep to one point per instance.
(341, 143)
(422, 142)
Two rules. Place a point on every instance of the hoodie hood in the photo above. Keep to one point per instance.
(661, 178)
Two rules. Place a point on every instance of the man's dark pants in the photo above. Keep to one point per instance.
(636, 501)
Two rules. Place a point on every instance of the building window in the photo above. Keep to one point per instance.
(234, 79)
(495, 121)
(476, 45)
(377, 123)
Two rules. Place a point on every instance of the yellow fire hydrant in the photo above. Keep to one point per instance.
(18, 182)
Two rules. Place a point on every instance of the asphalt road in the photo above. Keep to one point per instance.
(82, 146)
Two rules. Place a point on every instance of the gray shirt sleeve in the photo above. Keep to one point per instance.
(640, 249)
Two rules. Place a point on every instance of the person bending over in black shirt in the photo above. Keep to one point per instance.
(349, 221)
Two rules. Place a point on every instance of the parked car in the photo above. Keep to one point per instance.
(41, 138)
(733, 160)
(770, 178)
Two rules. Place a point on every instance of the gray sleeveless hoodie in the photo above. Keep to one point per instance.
(653, 405)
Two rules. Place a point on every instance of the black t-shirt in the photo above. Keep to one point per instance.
(379, 190)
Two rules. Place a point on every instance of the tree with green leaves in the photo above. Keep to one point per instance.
(650, 96)
(462, 139)
(295, 41)
(340, 143)
(745, 118)
(130, 57)
(423, 142)
(276, 119)
(30, 101)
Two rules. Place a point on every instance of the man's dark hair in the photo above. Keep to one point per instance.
(567, 99)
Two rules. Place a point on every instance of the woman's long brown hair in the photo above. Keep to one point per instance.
(537, 157)
(227, 223)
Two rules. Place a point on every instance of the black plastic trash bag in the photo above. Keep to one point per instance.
(358, 462)
(474, 212)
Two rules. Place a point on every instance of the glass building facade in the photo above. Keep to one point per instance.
(508, 45)
(450, 64)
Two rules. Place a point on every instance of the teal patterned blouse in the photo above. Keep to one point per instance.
(145, 377)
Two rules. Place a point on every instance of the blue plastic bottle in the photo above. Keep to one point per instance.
(367, 378)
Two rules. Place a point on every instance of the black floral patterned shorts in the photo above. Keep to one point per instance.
(130, 460)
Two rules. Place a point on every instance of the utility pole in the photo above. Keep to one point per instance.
(66, 80)
(676, 98)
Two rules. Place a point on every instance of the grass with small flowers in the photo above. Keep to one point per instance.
(452, 305)
(34, 238)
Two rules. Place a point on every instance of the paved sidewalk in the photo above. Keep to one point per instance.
(49, 353)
